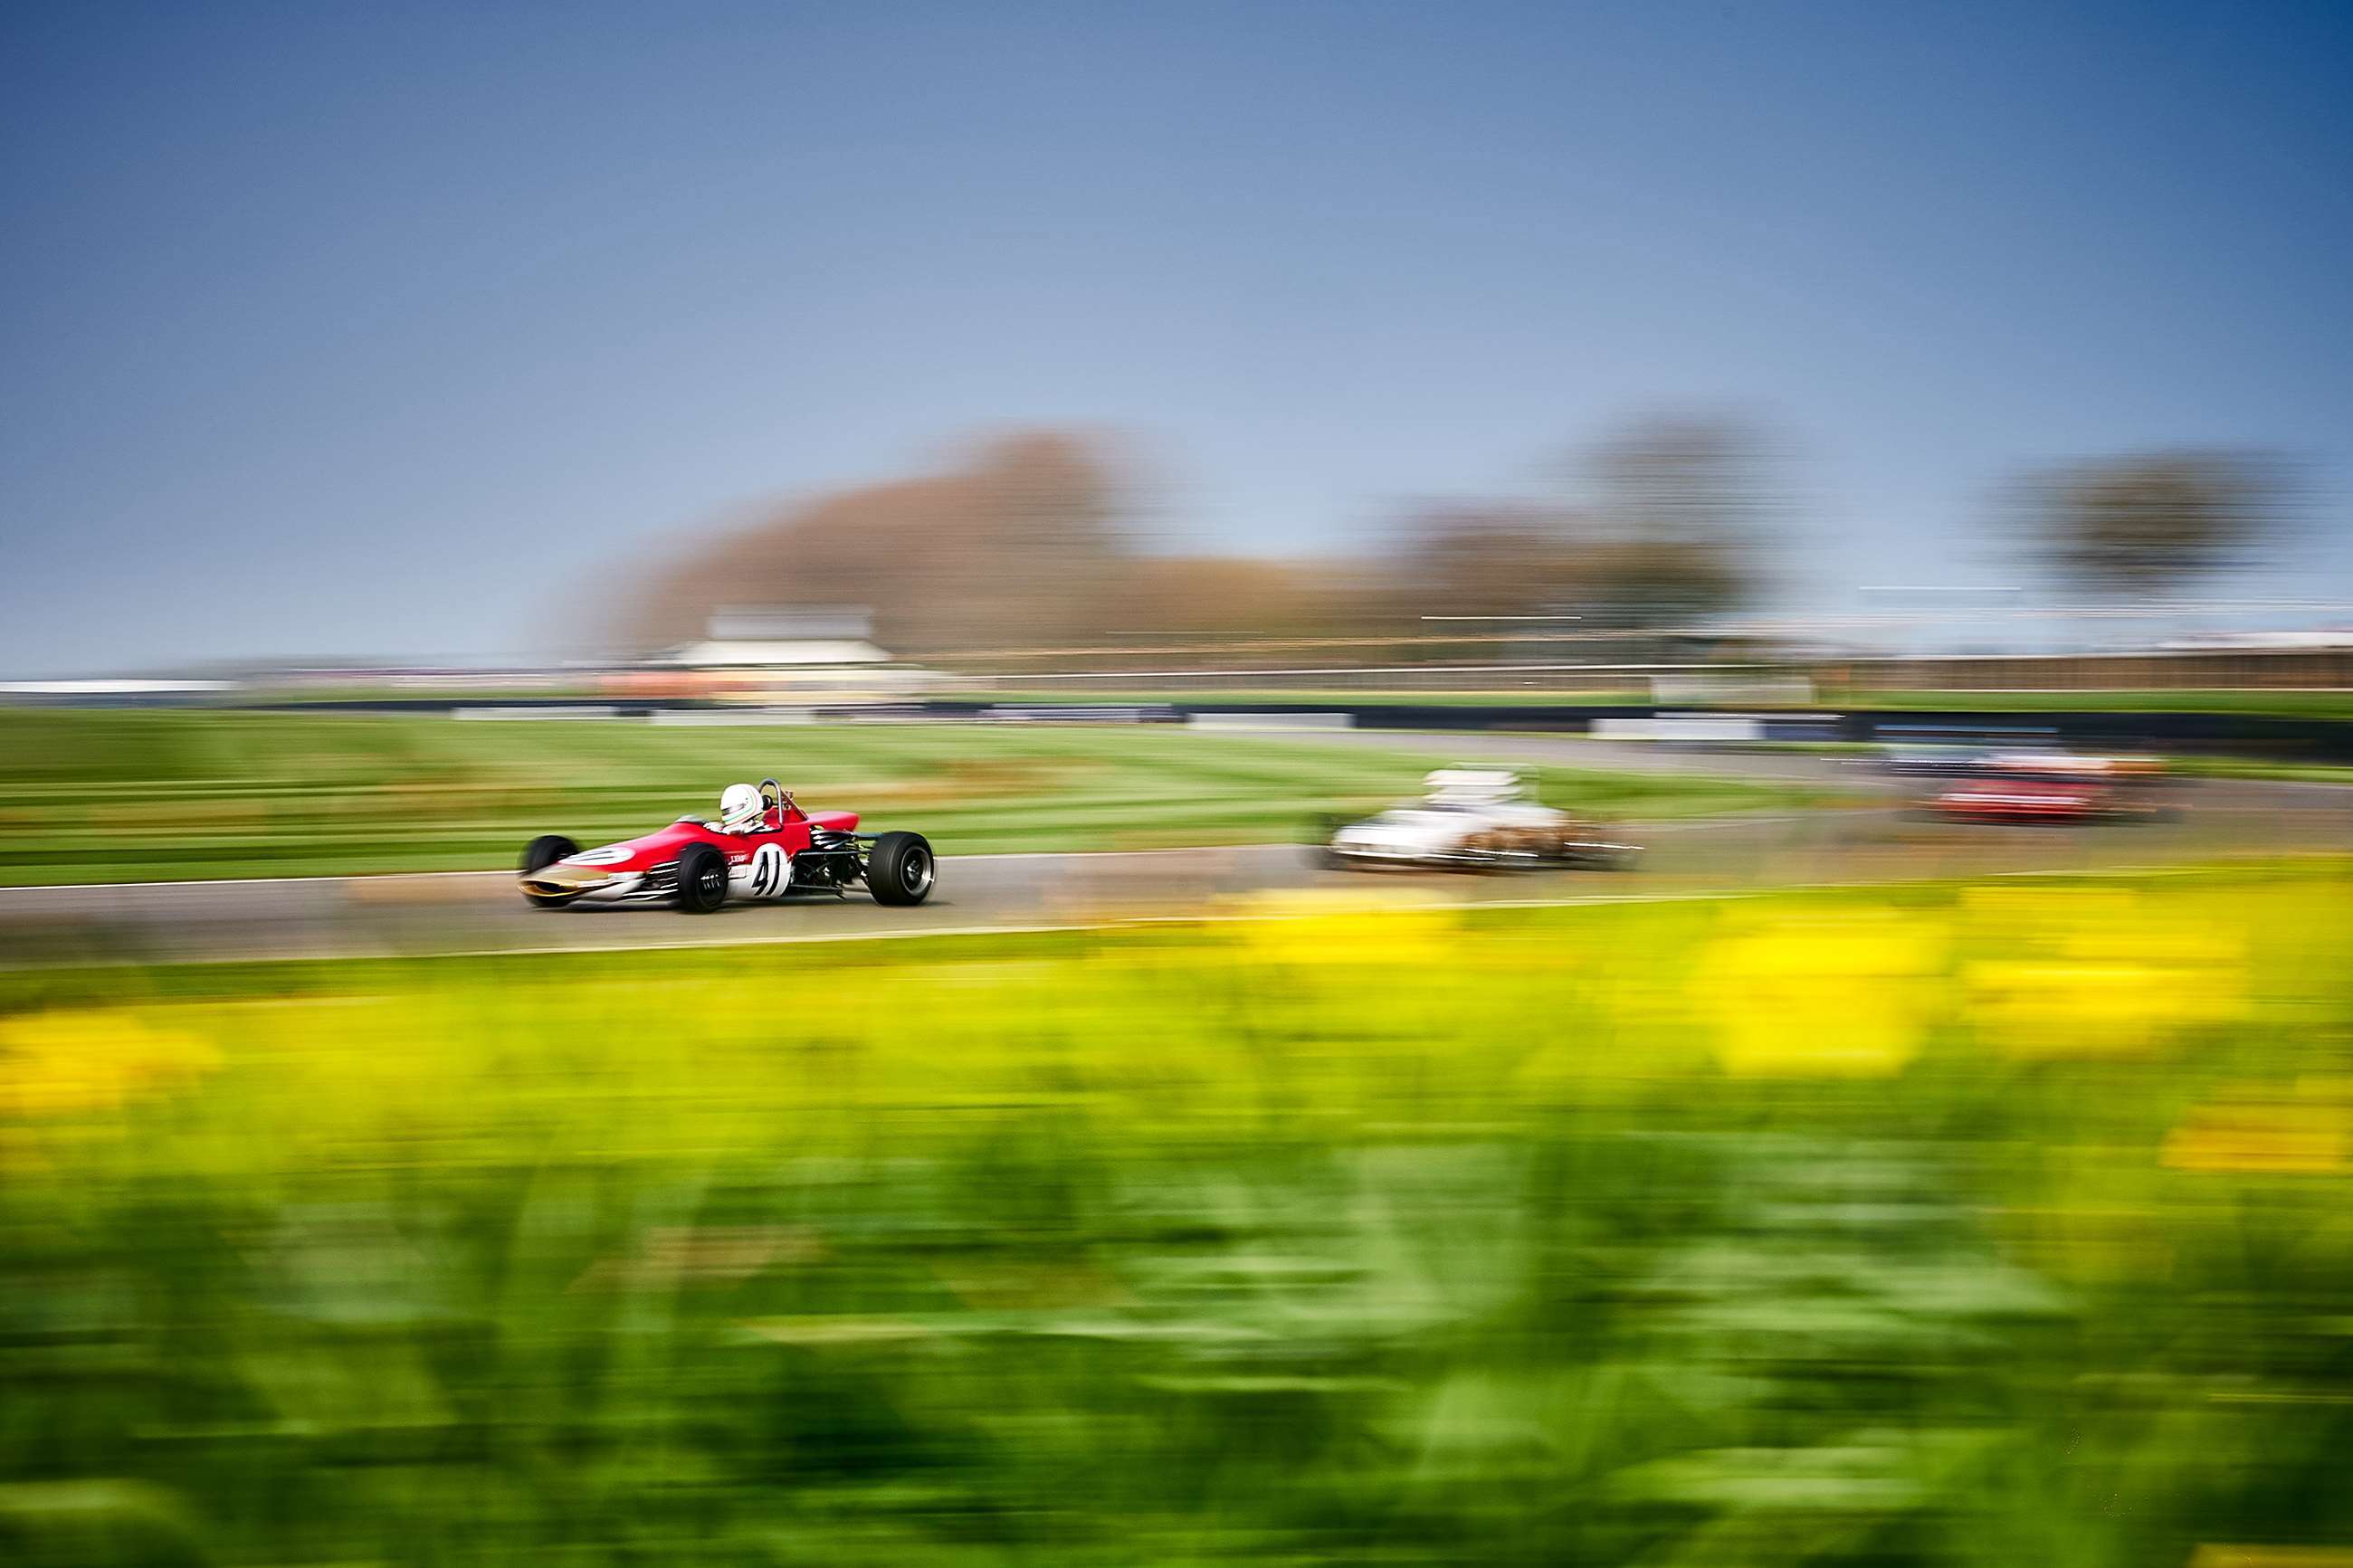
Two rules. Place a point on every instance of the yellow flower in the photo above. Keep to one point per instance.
(65, 1062)
(1834, 995)
(2275, 1138)
(2101, 973)
(2216, 1556)
(1320, 927)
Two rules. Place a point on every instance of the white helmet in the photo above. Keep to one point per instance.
(740, 806)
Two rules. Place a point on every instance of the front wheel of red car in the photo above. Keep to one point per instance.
(900, 869)
(543, 852)
(702, 879)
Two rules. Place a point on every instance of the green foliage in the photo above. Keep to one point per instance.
(2015, 1232)
(2150, 522)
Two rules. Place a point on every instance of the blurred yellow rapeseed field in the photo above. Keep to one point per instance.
(1324, 927)
(2277, 1137)
(1928, 1225)
(2091, 971)
(85, 1059)
(1834, 993)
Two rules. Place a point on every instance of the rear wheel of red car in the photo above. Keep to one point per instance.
(702, 879)
(543, 852)
(900, 869)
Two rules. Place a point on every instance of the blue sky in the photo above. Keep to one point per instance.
(365, 330)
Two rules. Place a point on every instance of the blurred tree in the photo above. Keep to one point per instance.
(1029, 545)
(1679, 507)
(1017, 546)
(1160, 597)
(2145, 523)
(1650, 584)
(1470, 560)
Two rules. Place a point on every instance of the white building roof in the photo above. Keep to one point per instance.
(740, 652)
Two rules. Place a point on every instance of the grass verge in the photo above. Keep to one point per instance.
(136, 795)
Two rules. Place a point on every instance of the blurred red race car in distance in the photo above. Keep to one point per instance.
(2036, 800)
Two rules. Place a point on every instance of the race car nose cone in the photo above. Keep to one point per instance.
(562, 878)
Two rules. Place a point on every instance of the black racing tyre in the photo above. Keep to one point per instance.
(900, 869)
(546, 850)
(543, 852)
(702, 879)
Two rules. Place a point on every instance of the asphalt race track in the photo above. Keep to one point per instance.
(1872, 839)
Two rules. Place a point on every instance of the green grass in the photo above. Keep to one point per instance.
(134, 796)
(2279, 773)
(1944, 1225)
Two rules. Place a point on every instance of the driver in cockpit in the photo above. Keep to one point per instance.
(741, 809)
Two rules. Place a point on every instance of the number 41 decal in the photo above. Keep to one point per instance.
(772, 872)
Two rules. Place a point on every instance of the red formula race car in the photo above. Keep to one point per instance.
(2051, 784)
(762, 845)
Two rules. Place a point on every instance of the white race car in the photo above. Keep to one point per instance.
(1477, 818)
